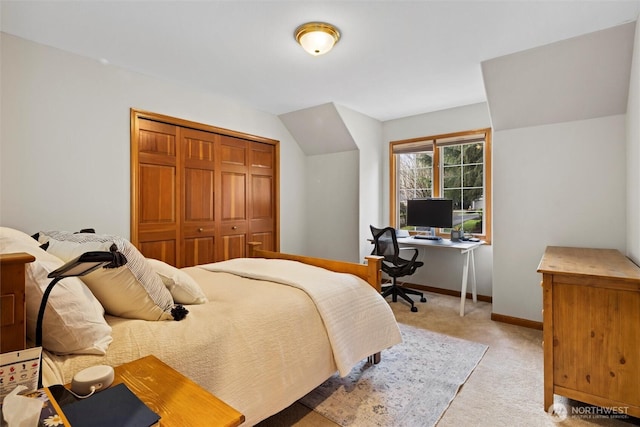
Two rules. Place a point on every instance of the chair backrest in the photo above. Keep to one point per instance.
(384, 242)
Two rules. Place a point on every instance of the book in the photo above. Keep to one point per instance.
(116, 406)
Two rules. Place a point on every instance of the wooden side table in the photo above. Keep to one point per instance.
(12, 301)
(178, 400)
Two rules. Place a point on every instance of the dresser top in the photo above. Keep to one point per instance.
(588, 262)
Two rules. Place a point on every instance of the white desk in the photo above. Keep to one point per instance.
(465, 248)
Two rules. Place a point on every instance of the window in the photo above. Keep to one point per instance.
(455, 166)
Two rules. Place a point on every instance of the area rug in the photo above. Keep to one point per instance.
(412, 386)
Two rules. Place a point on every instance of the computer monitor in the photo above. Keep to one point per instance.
(434, 213)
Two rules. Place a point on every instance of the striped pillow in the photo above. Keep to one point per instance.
(132, 291)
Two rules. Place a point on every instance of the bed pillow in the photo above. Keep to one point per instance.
(132, 291)
(184, 289)
(11, 235)
(67, 251)
(73, 321)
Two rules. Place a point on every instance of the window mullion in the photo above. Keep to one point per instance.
(436, 184)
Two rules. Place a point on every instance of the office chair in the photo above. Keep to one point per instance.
(386, 245)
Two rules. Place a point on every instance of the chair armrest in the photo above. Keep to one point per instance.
(415, 254)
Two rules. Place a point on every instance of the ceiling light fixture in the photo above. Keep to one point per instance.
(317, 38)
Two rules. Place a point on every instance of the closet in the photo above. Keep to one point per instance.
(199, 193)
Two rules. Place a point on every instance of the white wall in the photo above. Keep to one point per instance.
(443, 268)
(343, 192)
(556, 185)
(65, 140)
(633, 155)
(332, 206)
(367, 134)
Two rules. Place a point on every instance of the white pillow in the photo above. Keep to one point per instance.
(73, 321)
(11, 235)
(183, 288)
(132, 291)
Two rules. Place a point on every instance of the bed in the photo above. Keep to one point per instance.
(272, 328)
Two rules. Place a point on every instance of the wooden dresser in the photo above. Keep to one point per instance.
(12, 301)
(591, 314)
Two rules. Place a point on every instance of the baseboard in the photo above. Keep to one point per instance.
(450, 292)
(494, 316)
(516, 321)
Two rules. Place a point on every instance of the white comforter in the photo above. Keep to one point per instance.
(344, 302)
(257, 345)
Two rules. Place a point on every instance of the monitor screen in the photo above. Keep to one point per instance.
(430, 213)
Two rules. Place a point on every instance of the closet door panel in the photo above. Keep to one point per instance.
(198, 197)
(155, 189)
(198, 224)
(233, 179)
(233, 200)
(157, 138)
(233, 217)
(267, 239)
(262, 197)
(163, 249)
(234, 246)
(157, 199)
(199, 250)
(263, 157)
(233, 152)
(262, 203)
(157, 213)
(234, 193)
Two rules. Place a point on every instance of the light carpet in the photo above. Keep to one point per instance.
(412, 386)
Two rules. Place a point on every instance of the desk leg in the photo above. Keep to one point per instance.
(463, 289)
(474, 292)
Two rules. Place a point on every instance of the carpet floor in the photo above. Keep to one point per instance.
(505, 389)
(414, 385)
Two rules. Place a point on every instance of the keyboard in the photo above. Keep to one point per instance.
(422, 237)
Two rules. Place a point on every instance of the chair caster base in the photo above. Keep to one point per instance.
(423, 299)
(414, 309)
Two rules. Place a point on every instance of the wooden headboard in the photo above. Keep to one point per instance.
(370, 272)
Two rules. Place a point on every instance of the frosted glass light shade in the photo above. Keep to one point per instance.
(317, 38)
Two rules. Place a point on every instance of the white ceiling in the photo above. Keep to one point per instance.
(395, 58)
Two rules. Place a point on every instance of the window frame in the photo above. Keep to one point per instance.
(437, 179)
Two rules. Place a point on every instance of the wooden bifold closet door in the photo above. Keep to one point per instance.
(199, 194)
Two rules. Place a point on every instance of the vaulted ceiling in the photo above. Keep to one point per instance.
(575, 79)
